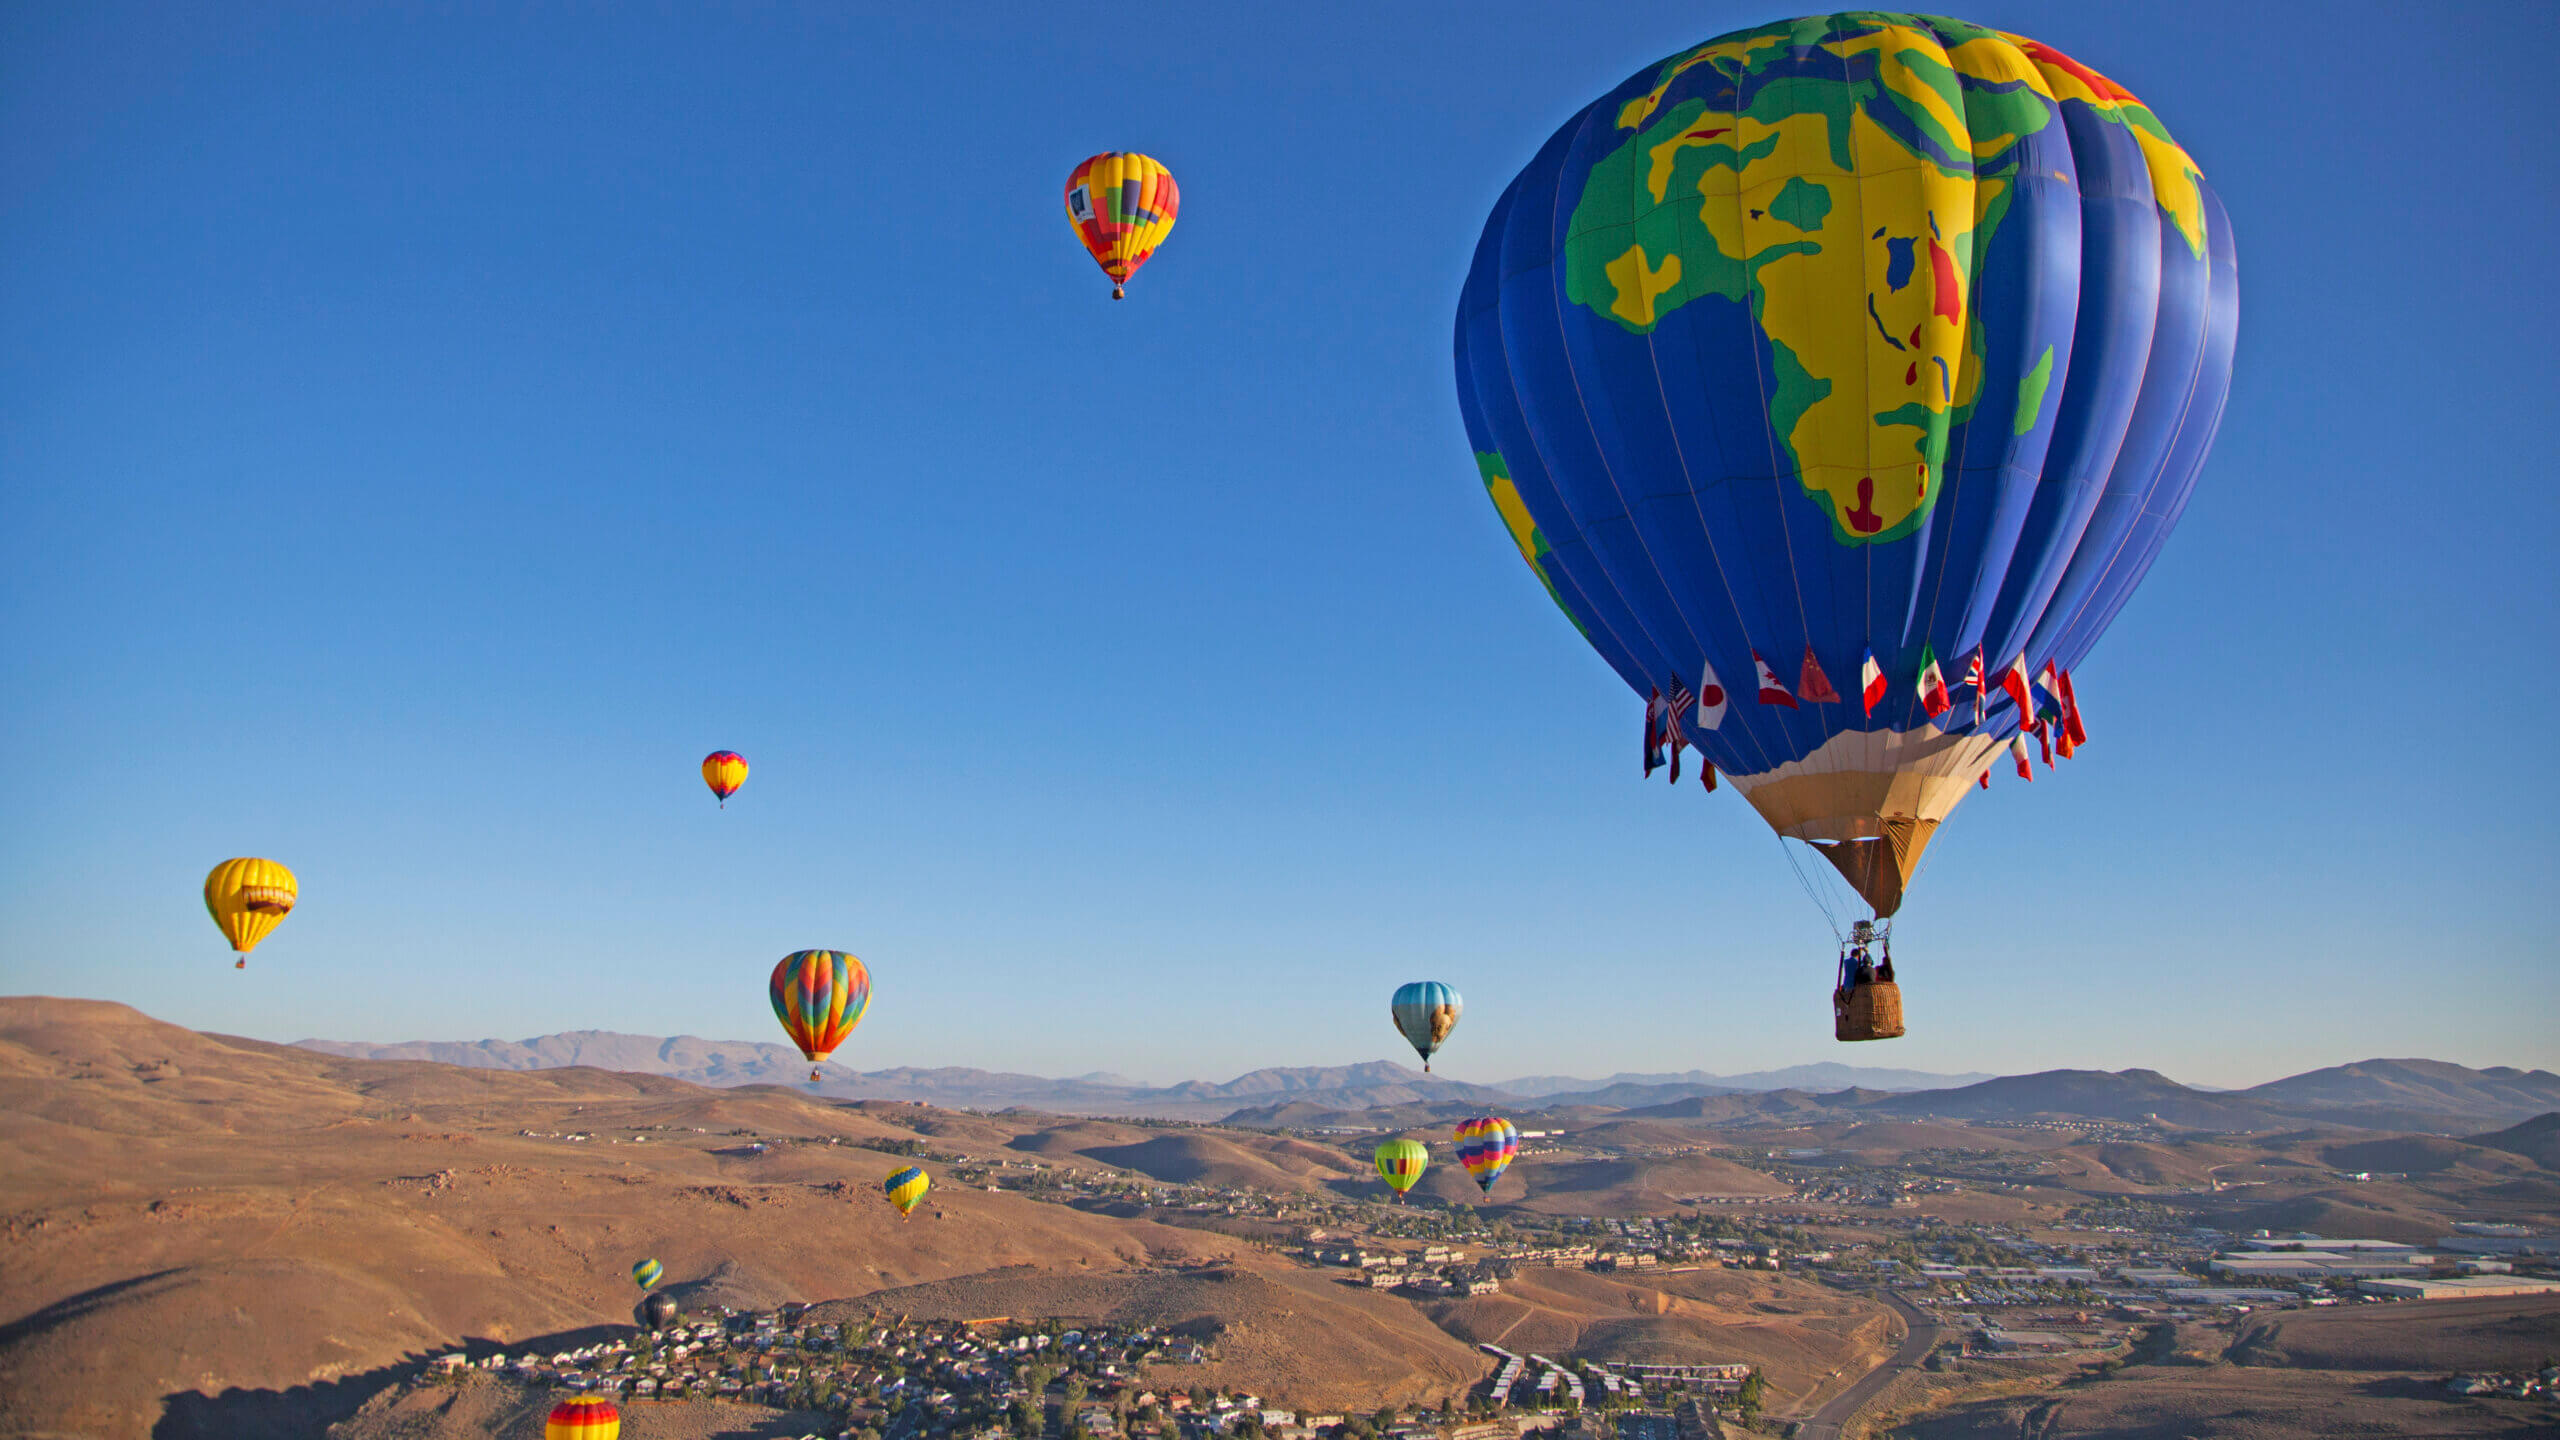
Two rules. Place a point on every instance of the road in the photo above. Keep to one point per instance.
(1825, 1423)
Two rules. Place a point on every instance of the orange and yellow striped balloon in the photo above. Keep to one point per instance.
(724, 771)
(1122, 206)
(583, 1417)
(247, 898)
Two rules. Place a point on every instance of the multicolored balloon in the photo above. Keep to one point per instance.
(1486, 1146)
(1828, 356)
(1426, 1011)
(247, 898)
(1122, 205)
(724, 771)
(1401, 1163)
(583, 1417)
(646, 1273)
(906, 1189)
(819, 996)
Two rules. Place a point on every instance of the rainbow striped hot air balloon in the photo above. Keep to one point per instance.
(1425, 1011)
(724, 771)
(1122, 206)
(906, 1189)
(646, 1273)
(1401, 1163)
(248, 898)
(583, 1417)
(819, 996)
(1486, 1146)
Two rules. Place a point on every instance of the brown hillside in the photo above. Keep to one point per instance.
(2507, 1333)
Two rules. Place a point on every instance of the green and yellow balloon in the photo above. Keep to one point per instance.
(1401, 1163)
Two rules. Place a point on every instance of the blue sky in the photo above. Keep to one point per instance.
(424, 433)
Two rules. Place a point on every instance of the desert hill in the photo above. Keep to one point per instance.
(218, 1236)
(2537, 1139)
(2379, 1092)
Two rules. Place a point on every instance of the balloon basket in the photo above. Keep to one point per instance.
(240, 964)
(1119, 293)
(1869, 1011)
(813, 1075)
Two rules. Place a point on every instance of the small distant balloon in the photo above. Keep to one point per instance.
(1426, 1011)
(657, 1312)
(906, 1188)
(646, 1273)
(1401, 1163)
(1486, 1146)
(583, 1417)
(819, 996)
(1122, 206)
(724, 771)
(247, 898)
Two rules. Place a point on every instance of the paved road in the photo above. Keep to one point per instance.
(1827, 1421)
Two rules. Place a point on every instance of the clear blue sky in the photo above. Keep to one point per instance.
(425, 432)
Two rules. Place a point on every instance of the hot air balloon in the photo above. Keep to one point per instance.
(1426, 1011)
(583, 1417)
(906, 1189)
(1871, 346)
(655, 1312)
(248, 898)
(646, 1273)
(724, 771)
(1401, 1163)
(1487, 1146)
(1122, 206)
(819, 996)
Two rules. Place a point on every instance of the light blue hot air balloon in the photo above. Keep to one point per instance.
(1818, 361)
(1425, 1011)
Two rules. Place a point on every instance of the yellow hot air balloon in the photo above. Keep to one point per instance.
(1401, 1163)
(246, 898)
(724, 771)
(906, 1189)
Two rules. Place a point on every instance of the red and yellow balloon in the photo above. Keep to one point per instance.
(1122, 206)
(583, 1417)
(724, 771)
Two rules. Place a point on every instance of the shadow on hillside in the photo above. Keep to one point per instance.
(70, 1308)
(239, 1414)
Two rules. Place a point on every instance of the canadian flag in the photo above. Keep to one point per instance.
(1933, 685)
(1871, 682)
(1772, 690)
(1974, 677)
(1983, 779)
(2014, 680)
(1813, 685)
(2018, 751)
(1711, 698)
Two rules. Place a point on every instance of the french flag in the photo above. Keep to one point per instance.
(1871, 685)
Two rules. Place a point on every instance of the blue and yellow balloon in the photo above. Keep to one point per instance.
(1853, 336)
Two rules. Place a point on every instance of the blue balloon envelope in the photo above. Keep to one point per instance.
(1824, 363)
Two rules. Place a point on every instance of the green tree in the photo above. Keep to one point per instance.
(1748, 1398)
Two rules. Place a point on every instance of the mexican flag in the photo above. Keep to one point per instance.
(1933, 684)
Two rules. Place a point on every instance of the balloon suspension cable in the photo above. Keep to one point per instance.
(1812, 891)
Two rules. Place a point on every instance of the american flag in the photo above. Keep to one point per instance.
(1672, 733)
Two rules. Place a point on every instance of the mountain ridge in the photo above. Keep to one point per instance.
(2396, 1094)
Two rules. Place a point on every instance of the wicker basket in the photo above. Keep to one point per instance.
(1872, 1011)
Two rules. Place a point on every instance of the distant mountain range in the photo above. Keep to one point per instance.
(2406, 1095)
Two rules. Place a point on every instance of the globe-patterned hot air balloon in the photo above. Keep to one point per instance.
(583, 1417)
(1401, 1163)
(819, 996)
(1425, 1011)
(646, 1273)
(1882, 348)
(1486, 1146)
(1122, 206)
(247, 898)
(724, 771)
(906, 1189)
